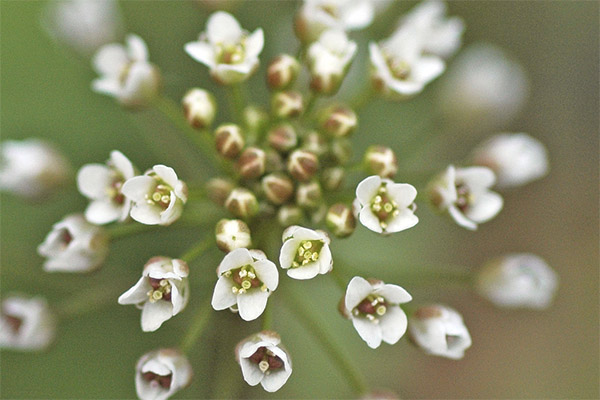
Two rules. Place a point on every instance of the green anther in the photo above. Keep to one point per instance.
(246, 284)
(156, 196)
(381, 310)
(157, 295)
(307, 245)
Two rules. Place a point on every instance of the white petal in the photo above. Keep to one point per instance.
(357, 290)
(137, 49)
(368, 331)
(252, 304)
(110, 60)
(93, 180)
(250, 371)
(103, 211)
(173, 211)
(486, 207)
(325, 260)
(254, 43)
(141, 84)
(146, 214)
(275, 380)
(369, 220)
(460, 219)
(288, 253)
(107, 86)
(393, 294)
(154, 314)
(122, 164)
(223, 297)
(403, 194)
(223, 27)
(307, 271)
(266, 271)
(167, 174)
(476, 177)
(367, 189)
(235, 259)
(358, 14)
(138, 187)
(427, 68)
(201, 52)
(137, 293)
(404, 220)
(393, 325)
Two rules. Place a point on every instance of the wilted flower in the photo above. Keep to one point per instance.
(161, 373)
(26, 323)
(263, 360)
(305, 253)
(232, 234)
(517, 281)
(161, 293)
(439, 330)
(329, 59)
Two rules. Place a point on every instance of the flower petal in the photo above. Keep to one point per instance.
(267, 273)
(369, 220)
(275, 380)
(252, 304)
(367, 189)
(154, 314)
(393, 324)
(403, 194)
(201, 52)
(357, 290)
(307, 271)
(393, 294)
(368, 331)
(404, 220)
(138, 187)
(102, 212)
(93, 180)
(222, 27)
(137, 293)
(223, 297)
(486, 206)
(235, 259)
(250, 371)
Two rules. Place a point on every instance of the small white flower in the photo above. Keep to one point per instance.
(157, 196)
(74, 245)
(263, 360)
(232, 234)
(384, 206)
(329, 59)
(246, 279)
(200, 108)
(32, 168)
(230, 52)
(26, 323)
(373, 307)
(439, 330)
(125, 72)
(161, 373)
(517, 281)
(516, 158)
(102, 184)
(305, 253)
(463, 192)
(161, 293)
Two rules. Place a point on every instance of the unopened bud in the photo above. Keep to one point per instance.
(242, 203)
(287, 104)
(199, 107)
(282, 72)
(333, 178)
(340, 220)
(251, 163)
(289, 215)
(381, 161)
(232, 234)
(339, 121)
(229, 140)
(255, 118)
(274, 161)
(309, 194)
(341, 149)
(315, 143)
(278, 187)
(218, 189)
(283, 137)
(302, 165)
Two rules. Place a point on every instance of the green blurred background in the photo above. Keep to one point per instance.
(45, 92)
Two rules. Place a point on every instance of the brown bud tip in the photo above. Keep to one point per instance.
(381, 161)
(278, 187)
(309, 194)
(242, 203)
(283, 137)
(251, 163)
(302, 165)
(282, 72)
(340, 220)
(339, 121)
(287, 104)
(218, 190)
(229, 140)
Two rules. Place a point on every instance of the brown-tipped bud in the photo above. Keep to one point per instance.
(252, 163)
(232, 234)
(289, 215)
(229, 140)
(199, 107)
(255, 118)
(278, 187)
(380, 160)
(315, 143)
(341, 150)
(274, 161)
(287, 104)
(302, 165)
(309, 195)
(282, 72)
(339, 121)
(333, 178)
(218, 190)
(283, 137)
(340, 220)
(242, 203)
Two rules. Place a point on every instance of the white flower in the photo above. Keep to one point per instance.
(263, 360)
(125, 72)
(516, 158)
(305, 253)
(373, 308)
(161, 293)
(384, 206)
(26, 323)
(157, 196)
(463, 192)
(329, 58)
(439, 330)
(32, 168)
(74, 245)
(232, 234)
(200, 108)
(230, 52)
(517, 281)
(246, 279)
(161, 373)
(102, 184)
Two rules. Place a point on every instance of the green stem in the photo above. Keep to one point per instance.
(198, 249)
(338, 278)
(267, 318)
(196, 328)
(87, 300)
(124, 230)
(310, 103)
(236, 101)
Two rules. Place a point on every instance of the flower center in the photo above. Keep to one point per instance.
(231, 53)
(307, 252)
(65, 238)
(399, 68)
(12, 321)
(372, 307)
(464, 197)
(114, 190)
(124, 74)
(383, 207)
(161, 290)
(161, 195)
(244, 279)
(163, 380)
(266, 360)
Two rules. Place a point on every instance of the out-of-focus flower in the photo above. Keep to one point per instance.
(200, 108)
(161, 293)
(32, 168)
(439, 330)
(232, 234)
(26, 323)
(373, 307)
(242, 203)
(264, 360)
(282, 72)
(340, 220)
(464, 193)
(517, 281)
(381, 161)
(102, 185)
(226, 49)
(161, 373)
(384, 206)
(515, 158)
(157, 196)
(74, 245)
(246, 279)
(329, 59)
(305, 253)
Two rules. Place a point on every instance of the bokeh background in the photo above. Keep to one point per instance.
(45, 92)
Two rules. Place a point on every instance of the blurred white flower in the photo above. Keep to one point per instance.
(32, 168)
(26, 323)
(161, 293)
(246, 279)
(125, 73)
(161, 373)
(232, 234)
(200, 108)
(439, 330)
(74, 245)
(102, 185)
(157, 196)
(464, 193)
(384, 206)
(329, 59)
(305, 253)
(515, 158)
(373, 307)
(263, 360)
(517, 281)
(230, 52)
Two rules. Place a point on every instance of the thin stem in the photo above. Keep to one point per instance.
(198, 249)
(338, 278)
(196, 328)
(267, 318)
(310, 103)
(87, 300)
(124, 230)
(236, 101)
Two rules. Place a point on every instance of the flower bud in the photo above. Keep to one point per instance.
(229, 140)
(242, 203)
(255, 118)
(287, 104)
(309, 195)
(283, 137)
(251, 163)
(333, 178)
(329, 59)
(339, 121)
(161, 373)
(380, 160)
(218, 190)
(289, 215)
(274, 161)
(315, 143)
(278, 187)
(302, 165)
(282, 72)
(340, 220)
(26, 323)
(199, 107)
(232, 234)
(341, 149)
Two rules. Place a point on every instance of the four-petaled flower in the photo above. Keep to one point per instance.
(305, 253)
(26, 323)
(329, 59)
(161, 373)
